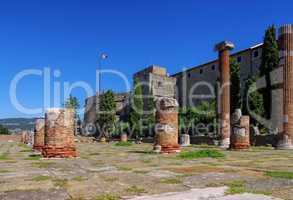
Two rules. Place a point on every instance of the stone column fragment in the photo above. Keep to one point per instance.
(167, 125)
(240, 138)
(286, 61)
(59, 133)
(39, 135)
(224, 94)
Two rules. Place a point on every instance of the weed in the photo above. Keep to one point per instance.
(135, 190)
(41, 178)
(107, 197)
(280, 174)
(171, 181)
(123, 144)
(208, 153)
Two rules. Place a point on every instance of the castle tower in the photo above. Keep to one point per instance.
(286, 61)
(224, 99)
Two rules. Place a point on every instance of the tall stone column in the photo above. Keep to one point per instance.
(224, 94)
(166, 126)
(39, 136)
(286, 61)
(59, 133)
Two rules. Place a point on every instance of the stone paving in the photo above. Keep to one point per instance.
(110, 172)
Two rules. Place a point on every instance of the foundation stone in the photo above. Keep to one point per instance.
(39, 136)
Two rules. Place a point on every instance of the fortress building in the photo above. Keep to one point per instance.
(197, 84)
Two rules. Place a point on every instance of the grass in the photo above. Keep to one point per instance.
(238, 187)
(111, 180)
(107, 197)
(4, 171)
(41, 178)
(123, 168)
(42, 164)
(171, 181)
(208, 153)
(33, 157)
(62, 183)
(79, 178)
(135, 190)
(4, 156)
(279, 174)
(123, 144)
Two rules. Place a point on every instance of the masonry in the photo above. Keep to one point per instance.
(198, 80)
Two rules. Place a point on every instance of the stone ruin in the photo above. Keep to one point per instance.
(39, 135)
(240, 137)
(24, 137)
(166, 131)
(286, 61)
(224, 96)
(59, 133)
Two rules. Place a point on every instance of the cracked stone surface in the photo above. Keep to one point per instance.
(133, 172)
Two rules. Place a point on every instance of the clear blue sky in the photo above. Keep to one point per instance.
(68, 35)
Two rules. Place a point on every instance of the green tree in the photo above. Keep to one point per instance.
(254, 101)
(107, 113)
(73, 103)
(137, 109)
(3, 130)
(149, 116)
(270, 61)
(235, 86)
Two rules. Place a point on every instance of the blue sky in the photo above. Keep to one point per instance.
(67, 35)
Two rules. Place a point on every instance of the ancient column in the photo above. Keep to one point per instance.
(240, 137)
(39, 135)
(166, 139)
(286, 61)
(59, 133)
(224, 94)
(184, 140)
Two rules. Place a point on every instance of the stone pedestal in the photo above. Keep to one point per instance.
(224, 93)
(240, 138)
(286, 61)
(184, 140)
(39, 136)
(59, 133)
(123, 137)
(167, 125)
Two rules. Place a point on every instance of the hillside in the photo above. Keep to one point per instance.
(16, 125)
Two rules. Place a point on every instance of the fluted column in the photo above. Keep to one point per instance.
(286, 61)
(224, 99)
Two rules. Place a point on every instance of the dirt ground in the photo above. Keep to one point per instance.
(109, 172)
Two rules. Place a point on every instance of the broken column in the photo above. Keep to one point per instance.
(224, 94)
(39, 135)
(286, 61)
(166, 139)
(240, 138)
(184, 140)
(59, 133)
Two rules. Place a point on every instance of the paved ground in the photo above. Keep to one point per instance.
(108, 172)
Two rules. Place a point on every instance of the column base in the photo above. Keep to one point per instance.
(285, 146)
(225, 143)
(240, 146)
(59, 152)
(38, 148)
(170, 149)
(285, 143)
